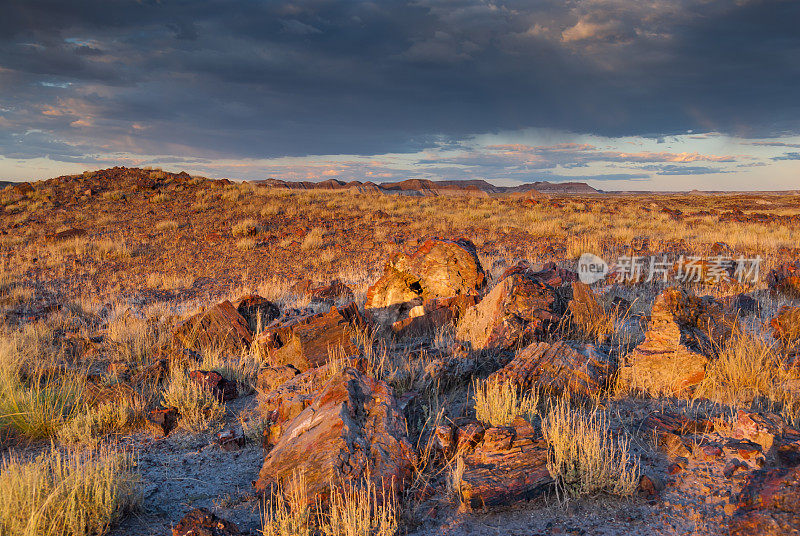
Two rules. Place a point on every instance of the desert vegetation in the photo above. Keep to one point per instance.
(178, 352)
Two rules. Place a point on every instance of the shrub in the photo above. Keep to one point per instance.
(245, 228)
(166, 225)
(583, 457)
(499, 403)
(199, 407)
(312, 240)
(750, 370)
(66, 494)
(94, 424)
(286, 510)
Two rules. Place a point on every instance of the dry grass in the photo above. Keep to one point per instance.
(199, 407)
(312, 240)
(245, 228)
(583, 456)
(354, 509)
(750, 371)
(65, 494)
(499, 403)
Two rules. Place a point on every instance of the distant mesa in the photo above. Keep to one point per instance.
(424, 187)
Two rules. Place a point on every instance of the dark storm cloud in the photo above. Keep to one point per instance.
(215, 78)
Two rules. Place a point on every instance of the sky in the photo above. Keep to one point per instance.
(621, 94)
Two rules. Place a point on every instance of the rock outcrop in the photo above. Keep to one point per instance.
(561, 366)
(518, 310)
(684, 334)
(439, 268)
(353, 429)
(219, 328)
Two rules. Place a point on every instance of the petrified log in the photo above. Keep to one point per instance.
(769, 504)
(684, 334)
(220, 328)
(306, 342)
(509, 465)
(353, 429)
(439, 268)
(517, 311)
(561, 366)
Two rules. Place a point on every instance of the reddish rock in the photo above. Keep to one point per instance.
(684, 333)
(332, 292)
(561, 366)
(305, 342)
(785, 279)
(768, 430)
(439, 268)
(769, 504)
(353, 429)
(201, 522)
(283, 403)
(650, 485)
(516, 312)
(163, 421)
(433, 314)
(550, 273)
(270, 378)
(214, 381)
(258, 312)
(508, 466)
(220, 328)
(230, 440)
(786, 326)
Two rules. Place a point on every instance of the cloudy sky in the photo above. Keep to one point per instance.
(623, 94)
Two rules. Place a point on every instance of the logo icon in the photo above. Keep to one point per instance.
(591, 268)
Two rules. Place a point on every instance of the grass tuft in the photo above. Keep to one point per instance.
(583, 456)
(66, 494)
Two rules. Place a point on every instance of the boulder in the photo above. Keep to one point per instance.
(201, 522)
(258, 312)
(561, 366)
(353, 429)
(219, 328)
(163, 421)
(769, 504)
(684, 334)
(517, 311)
(304, 342)
(433, 314)
(508, 465)
(785, 279)
(439, 268)
(282, 403)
